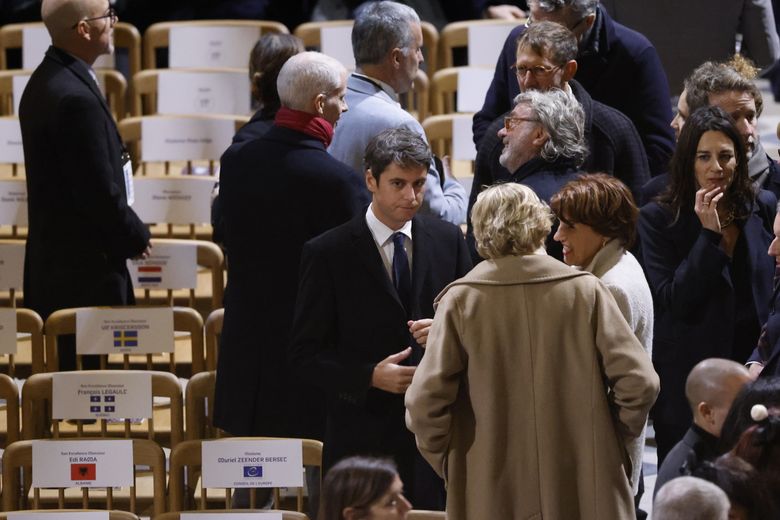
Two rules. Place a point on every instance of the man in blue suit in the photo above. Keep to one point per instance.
(364, 307)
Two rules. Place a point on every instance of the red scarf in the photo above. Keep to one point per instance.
(309, 124)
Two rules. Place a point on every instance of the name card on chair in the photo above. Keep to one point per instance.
(18, 84)
(35, 42)
(11, 150)
(82, 464)
(185, 138)
(93, 395)
(173, 200)
(170, 266)
(132, 330)
(211, 46)
(486, 42)
(463, 148)
(7, 331)
(336, 42)
(219, 92)
(36, 515)
(252, 463)
(13, 202)
(11, 265)
(234, 515)
(473, 84)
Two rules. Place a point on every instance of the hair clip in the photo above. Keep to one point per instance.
(759, 412)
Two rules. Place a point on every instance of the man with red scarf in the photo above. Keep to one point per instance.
(278, 192)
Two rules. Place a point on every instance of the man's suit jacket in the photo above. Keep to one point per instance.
(348, 318)
(277, 192)
(371, 111)
(81, 228)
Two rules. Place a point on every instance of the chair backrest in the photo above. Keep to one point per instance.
(199, 406)
(9, 392)
(166, 426)
(185, 320)
(158, 35)
(213, 330)
(18, 465)
(227, 513)
(112, 515)
(30, 352)
(126, 36)
(186, 458)
(419, 514)
(491, 36)
(416, 100)
(459, 89)
(440, 131)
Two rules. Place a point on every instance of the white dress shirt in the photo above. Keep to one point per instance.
(383, 237)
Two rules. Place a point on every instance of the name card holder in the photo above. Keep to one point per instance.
(252, 463)
(486, 42)
(463, 148)
(96, 463)
(129, 330)
(214, 46)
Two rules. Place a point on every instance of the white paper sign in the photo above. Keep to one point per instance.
(486, 42)
(170, 266)
(234, 515)
(216, 46)
(35, 41)
(7, 331)
(11, 265)
(336, 42)
(13, 202)
(11, 149)
(93, 395)
(57, 515)
(105, 61)
(95, 463)
(140, 330)
(19, 83)
(252, 463)
(174, 200)
(221, 92)
(185, 138)
(463, 148)
(473, 84)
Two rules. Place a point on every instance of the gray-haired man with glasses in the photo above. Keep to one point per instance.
(81, 228)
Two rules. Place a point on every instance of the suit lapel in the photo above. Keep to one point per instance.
(369, 255)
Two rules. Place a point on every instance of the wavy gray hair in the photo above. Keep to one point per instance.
(381, 27)
(581, 8)
(306, 75)
(564, 121)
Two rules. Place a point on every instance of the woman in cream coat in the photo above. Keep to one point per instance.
(510, 402)
(598, 219)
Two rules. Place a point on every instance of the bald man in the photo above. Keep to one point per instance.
(82, 230)
(710, 389)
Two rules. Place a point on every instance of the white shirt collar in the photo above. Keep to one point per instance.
(381, 232)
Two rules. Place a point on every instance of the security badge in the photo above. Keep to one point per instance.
(127, 169)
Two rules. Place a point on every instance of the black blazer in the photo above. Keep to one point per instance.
(81, 228)
(277, 192)
(348, 318)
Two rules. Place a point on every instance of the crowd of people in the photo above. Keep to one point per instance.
(505, 372)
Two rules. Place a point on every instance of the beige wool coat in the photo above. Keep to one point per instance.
(510, 404)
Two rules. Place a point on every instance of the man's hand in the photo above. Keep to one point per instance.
(420, 329)
(145, 253)
(505, 12)
(390, 376)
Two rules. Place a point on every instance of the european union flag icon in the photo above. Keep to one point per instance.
(125, 338)
(253, 471)
(109, 408)
(94, 409)
(109, 398)
(94, 399)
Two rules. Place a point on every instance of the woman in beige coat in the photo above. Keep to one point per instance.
(532, 382)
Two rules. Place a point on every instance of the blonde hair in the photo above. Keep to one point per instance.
(509, 219)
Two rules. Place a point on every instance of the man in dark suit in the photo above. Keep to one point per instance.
(364, 307)
(82, 230)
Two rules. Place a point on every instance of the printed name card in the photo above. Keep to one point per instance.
(96, 395)
(138, 330)
(218, 92)
(173, 200)
(216, 46)
(170, 266)
(7, 331)
(185, 138)
(82, 464)
(252, 463)
(11, 265)
(336, 42)
(58, 515)
(11, 150)
(13, 202)
(473, 84)
(486, 42)
(18, 84)
(463, 148)
(234, 515)
(35, 41)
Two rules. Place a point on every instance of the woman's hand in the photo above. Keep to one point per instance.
(706, 208)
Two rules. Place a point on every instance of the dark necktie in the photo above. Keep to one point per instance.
(402, 279)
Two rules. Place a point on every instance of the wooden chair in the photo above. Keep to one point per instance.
(126, 36)
(430, 47)
(213, 330)
(187, 456)
(227, 513)
(18, 461)
(185, 320)
(199, 406)
(419, 514)
(439, 131)
(157, 36)
(27, 322)
(456, 34)
(38, 423)
(208, 294)
(444, 88)
(416, 101)
(9, 392)
(112, 515)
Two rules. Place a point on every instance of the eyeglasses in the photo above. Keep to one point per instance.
(111, 14)
(537, 71)
(510, 123)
